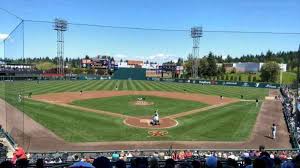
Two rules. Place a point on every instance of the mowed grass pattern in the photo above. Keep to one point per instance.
(125, 105)
(228, 123)
(89, 85)
(232, 122)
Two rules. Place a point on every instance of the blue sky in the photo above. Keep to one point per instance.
(254, 15)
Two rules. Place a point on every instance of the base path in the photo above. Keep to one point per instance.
(68, 97)
(38, 138)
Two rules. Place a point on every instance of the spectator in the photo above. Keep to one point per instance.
(196, 164)
(175, 156)
(102, 162)
(18, 155)
(115, 156)
(170, 163)
(297, 161)
(188, 154)
(22, 163)
(232, 163)
(247, 162)
(40, 163)
(185, 165)
(181, 155)
(211, 162)
(277, 162)
(120, 164)
(6, 164)
(153, 163)
(259, 163)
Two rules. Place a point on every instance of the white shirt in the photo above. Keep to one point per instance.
(273, 128)
(156, 118)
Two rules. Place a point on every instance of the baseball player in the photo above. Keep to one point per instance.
(29, 94)
(80, 92)
(116, 87)
(19, 98)
(274, 129)
(155, 118)
(256, 101)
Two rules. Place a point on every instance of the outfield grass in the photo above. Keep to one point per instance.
(76, 86)
(125, 105)
(232, 122)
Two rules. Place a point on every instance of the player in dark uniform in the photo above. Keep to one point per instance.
(29, 94)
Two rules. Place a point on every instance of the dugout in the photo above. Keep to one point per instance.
(130, 73)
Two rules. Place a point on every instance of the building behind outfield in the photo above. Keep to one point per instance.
(248, 66)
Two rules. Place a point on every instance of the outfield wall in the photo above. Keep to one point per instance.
(225, 83)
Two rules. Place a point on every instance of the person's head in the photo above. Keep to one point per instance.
(120, 164)
(277, 162)
(264, 153)
(248, 161)
(102, 162)
(211, 162)
(196, 164)
(22, 163)
(273, 124)
(296, 160)
(6, 164)
(261, 148)
(232, 163)
(40, 163)
(259, 163)
(170, 163)
(153, 163)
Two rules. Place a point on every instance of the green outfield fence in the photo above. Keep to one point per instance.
(215, 82)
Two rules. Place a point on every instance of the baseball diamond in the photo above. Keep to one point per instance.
(92, 114)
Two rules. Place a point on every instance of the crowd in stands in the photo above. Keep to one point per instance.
(260, 158)
(289, 112)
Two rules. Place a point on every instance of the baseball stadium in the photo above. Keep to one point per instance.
(61, 110)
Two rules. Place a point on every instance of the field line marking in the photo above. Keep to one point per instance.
(182, 114)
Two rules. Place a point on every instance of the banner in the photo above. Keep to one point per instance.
(225, 83)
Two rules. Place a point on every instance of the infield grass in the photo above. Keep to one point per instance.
(125, 105)
(233, 122)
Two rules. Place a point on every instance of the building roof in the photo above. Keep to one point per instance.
(134, 62)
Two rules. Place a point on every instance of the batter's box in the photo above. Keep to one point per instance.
(145, 121)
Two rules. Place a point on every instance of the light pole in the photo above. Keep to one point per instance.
(280, 75)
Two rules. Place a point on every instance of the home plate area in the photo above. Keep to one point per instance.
(144, 122)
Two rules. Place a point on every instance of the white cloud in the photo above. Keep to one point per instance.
(161, 57)
(3, 36)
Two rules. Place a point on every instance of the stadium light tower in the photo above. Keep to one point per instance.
(196, 33)
(60, 26)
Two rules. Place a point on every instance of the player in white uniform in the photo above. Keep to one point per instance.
(155, 119)
(20, 98)
(274, 129)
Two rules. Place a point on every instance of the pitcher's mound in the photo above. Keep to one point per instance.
(144, 122)
(142, 103)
